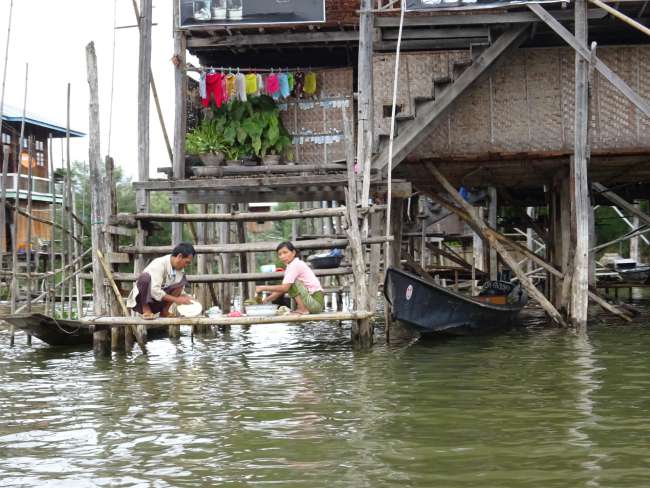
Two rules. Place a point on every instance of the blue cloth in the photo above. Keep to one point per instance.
(464, 193)
(285, 90)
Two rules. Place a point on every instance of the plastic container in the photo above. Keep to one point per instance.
(266, 310)
(194, 309)
(267, 268)
(324, 261)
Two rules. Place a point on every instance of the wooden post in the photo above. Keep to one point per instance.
(51, 286)
(180, 119)
(202, 267)
(144, 82)
(101, 343)
(28, 251)
(224, 238)
(68, 196)
(480, 226)
(478, 246)
(492, 221)
(362, 330)
(365, 102)
(580, 187)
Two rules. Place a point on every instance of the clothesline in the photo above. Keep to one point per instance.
(232, 69)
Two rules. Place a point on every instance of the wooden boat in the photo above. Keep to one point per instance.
(59, 332)
(631, 271)
(431, 308)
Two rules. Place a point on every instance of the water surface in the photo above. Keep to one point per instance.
(295, 406)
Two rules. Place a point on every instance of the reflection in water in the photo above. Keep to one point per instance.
(296, 406)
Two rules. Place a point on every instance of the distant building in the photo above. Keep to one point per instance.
(13, 152)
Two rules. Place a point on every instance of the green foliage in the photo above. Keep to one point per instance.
(251, 128)
(207, 138)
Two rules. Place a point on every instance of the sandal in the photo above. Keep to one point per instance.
(148, 316)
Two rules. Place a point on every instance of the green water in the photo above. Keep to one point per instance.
(296, 406)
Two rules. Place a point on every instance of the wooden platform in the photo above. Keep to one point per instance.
(276, 319)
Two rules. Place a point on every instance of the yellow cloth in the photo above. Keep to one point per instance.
(310, 83)
(231, 87)
(251, 84)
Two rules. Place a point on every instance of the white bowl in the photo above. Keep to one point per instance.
(194, 309)
(261, 310)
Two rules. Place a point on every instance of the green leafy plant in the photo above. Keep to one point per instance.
(252, 128)
(207, 138)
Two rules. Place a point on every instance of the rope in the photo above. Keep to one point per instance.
(110, 112)
(392, 123)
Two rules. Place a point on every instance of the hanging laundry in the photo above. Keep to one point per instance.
(272, 86)
(299, 84)
(213, 88)
(291, 81)
(283, 80)
(251, 84)
(231, 87)
(224, 89)
(310, 83)
(202, 89)
(240, 86)
(260, 85)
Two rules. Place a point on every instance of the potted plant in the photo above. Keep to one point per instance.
(207, 142)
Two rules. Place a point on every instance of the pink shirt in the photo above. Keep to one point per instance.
(297, 270)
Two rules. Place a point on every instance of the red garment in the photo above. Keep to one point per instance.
(213, 87)
(272, 84)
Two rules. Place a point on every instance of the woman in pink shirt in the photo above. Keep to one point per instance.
(299, 282)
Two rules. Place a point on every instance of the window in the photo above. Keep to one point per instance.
(40, 153)
(6, 138)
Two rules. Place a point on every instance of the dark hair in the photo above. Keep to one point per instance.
(289, 245)
(184, 248)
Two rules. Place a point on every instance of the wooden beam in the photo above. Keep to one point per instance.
(618, 201)
(481, 227)
(414, 132)
(478, 19)
(260, 246)
(144, 89)
(280, 38)
(231, 184)
(180, 111)
(586, 54)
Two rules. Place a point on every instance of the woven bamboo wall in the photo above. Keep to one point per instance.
(316, 123)
(525, 105)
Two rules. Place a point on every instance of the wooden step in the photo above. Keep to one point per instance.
(232, 277)
(278, 215)
(253, 246)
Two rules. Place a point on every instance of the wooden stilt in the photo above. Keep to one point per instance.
(101, 342)
(180, 116)
(492, 221)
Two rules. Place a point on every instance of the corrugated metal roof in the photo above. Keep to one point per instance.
(13, 114)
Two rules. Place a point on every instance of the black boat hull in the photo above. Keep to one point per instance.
(432, 309)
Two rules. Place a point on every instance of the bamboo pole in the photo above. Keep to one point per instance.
(481, 227)
(28, 253)
(53, 229)
(14, 250)
(154, 92)
(5, 158)
(101, 343)
(629, 21)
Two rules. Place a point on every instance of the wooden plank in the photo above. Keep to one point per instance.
(448, 33)
(119, 231)
(232, 184)
(238, 277)
(582, 50)
(118, 258)
(131, 219)
(260, 246)
(478, 19)
(278, 39)
(276, 319)
(414, 132)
